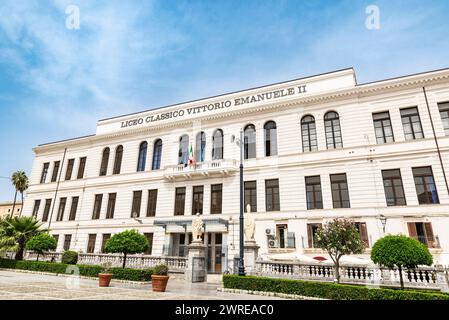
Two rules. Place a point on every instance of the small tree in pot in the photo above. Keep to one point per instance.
(41, 243)
(159, 278)
(127, 242)
(105, 276)
(401, 252)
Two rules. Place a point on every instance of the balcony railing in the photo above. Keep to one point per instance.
(206, 168)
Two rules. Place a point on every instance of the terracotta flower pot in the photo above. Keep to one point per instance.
(104, 279)
(159, 283)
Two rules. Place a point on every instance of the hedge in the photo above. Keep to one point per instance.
(325, 290)
(84, 270)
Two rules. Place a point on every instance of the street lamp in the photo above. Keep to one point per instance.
(241, 262)
(383, 220)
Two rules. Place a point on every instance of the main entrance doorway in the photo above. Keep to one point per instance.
(214, 252)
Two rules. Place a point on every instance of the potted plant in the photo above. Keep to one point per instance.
(159, 278)
(105, 276)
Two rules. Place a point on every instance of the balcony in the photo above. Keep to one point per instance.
(212, 168)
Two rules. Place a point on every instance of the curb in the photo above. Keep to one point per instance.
(269, 294)
(72, 276)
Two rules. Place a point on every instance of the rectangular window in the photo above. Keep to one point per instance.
(91, 243)
(152, 202)
(54, 175)
(423, 232)
(97, 206)
(425, 185)
(37, 204)
(361, 227)
(68, 172)
(44, 171)
(46, 210)
(382, 127)
(81, 168)
(313, 193)
(312, 229)
(67, 241)
(62, 203)
(149, 237)
(411, 123)
(180, 198)
(340, 192)
(137, 201)
(197, 200)
(394, 190)
(106, 237)
(216, 197)
(250, 195)
(73, 208)
(444, 114)
(111, 205)
(272, 195)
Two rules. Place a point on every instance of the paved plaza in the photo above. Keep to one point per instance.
(30, 286)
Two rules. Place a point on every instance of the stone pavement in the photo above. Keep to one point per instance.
(30, 286)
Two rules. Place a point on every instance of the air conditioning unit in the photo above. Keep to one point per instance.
(272, 243)
(269, 232)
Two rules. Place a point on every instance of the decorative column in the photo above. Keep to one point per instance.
(196, 261)
(250, 247)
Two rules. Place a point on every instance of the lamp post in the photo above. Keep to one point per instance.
(383, 220)
(241, 266)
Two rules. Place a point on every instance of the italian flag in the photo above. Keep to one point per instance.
(191, 155)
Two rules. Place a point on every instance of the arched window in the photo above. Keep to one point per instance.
(118, 159)
(142, 156)
(104, 162)
(308, 132)
(157, 154)
(271, 145)
(200, 147)
(333, 130)
(183, 154)
(250, 142)
(217, 149)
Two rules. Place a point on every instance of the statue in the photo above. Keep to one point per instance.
(197, 228)
(249, 226)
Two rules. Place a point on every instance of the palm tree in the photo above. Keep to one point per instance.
(21, 229)
(20, 181)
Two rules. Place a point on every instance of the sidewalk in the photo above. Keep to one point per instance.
(29, 286)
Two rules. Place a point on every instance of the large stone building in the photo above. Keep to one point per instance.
(7, 207)
(315, 148)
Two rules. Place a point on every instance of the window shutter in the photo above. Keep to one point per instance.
(310, 235)
(291, 240)
(364, 234)
(412, 230)
(429, 234)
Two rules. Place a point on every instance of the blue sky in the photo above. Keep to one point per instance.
(127, 56)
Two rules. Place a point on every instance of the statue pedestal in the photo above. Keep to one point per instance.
(250, 253)
(196, 263)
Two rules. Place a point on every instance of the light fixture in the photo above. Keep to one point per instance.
(383, 220)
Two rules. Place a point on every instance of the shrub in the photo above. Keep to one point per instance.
(325, 290)
(41, 243)
(160, 270)
(69, 257)
(127, 242)
(84, 270)
(400, 251)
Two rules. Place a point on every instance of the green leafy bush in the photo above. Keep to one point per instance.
(325, 290)
(160, 270)
(69, 257)
(84, 270)
(127, 242)
(41, 243)
(401, 252)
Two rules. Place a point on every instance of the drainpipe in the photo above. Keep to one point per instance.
(436, 140)
(57, 187)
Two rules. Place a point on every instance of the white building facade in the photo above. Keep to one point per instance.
(315, 149)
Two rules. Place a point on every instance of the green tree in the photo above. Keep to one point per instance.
(20, 181)
(20, 230)
(400, 251)
(127, 242)
(338, 238)
(41, 243)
